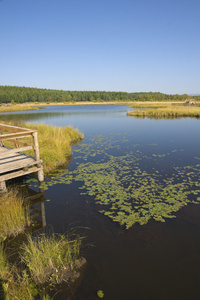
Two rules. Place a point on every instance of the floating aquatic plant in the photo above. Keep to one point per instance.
(125, 188)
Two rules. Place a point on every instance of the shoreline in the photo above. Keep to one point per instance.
(35, 106)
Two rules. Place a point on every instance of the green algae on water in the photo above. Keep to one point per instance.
(122, 185)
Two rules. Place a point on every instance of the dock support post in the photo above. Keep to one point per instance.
(37, 156)
(2, 187)
(40, 175)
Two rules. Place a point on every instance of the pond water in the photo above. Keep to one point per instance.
(132, 189)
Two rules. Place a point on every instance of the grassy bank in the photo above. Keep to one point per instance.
(167, 111)
(18, 107)
(55, 144)
(39, 105)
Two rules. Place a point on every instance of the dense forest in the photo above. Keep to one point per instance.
(14, 94)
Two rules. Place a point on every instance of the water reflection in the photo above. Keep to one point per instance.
(37, 210)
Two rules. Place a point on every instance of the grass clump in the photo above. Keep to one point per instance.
(14, 285)
(50, 258)
(55, 144)
(43, 262)
(13, 214)
(167, 112)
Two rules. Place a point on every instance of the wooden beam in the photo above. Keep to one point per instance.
(15, 141)
(16, 135)
(18, 174)
(13, 128)
(19, 164)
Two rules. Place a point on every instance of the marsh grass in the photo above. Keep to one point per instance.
(151, 104)
(15, 285)
(44, 262)
(14, 216)
(50, 258)
(18, 107)
(55, 144)
(167, 112)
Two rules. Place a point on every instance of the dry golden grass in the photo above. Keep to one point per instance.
(55, 144)
(18, 107)
(168, 112)
(151, 104)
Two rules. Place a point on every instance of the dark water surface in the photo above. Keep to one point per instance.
(155, 261)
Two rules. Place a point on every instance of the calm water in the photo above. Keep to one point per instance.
(154, 261)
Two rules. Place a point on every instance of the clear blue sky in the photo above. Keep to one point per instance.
(111, 45)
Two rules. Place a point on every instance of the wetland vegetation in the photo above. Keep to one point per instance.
(169, 111)
(32, 266)
(126, 192)
(135, 183)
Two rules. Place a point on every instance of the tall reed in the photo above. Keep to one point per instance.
(49, 258)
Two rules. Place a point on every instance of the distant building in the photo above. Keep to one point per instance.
(190, 102)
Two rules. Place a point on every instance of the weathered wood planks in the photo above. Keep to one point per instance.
(13, 162)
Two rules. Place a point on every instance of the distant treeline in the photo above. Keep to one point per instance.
(14, 94)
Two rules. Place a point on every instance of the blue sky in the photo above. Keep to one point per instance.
(121, 45)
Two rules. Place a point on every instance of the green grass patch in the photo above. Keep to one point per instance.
(42, 263)
(50, 258)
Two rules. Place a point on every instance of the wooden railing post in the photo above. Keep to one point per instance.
(1, 142)
(2, 187)
(37, 155)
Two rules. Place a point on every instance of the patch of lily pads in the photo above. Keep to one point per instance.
(121, 185)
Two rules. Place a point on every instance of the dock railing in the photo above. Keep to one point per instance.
(13, 141)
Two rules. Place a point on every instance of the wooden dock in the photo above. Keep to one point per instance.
(14, 141)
